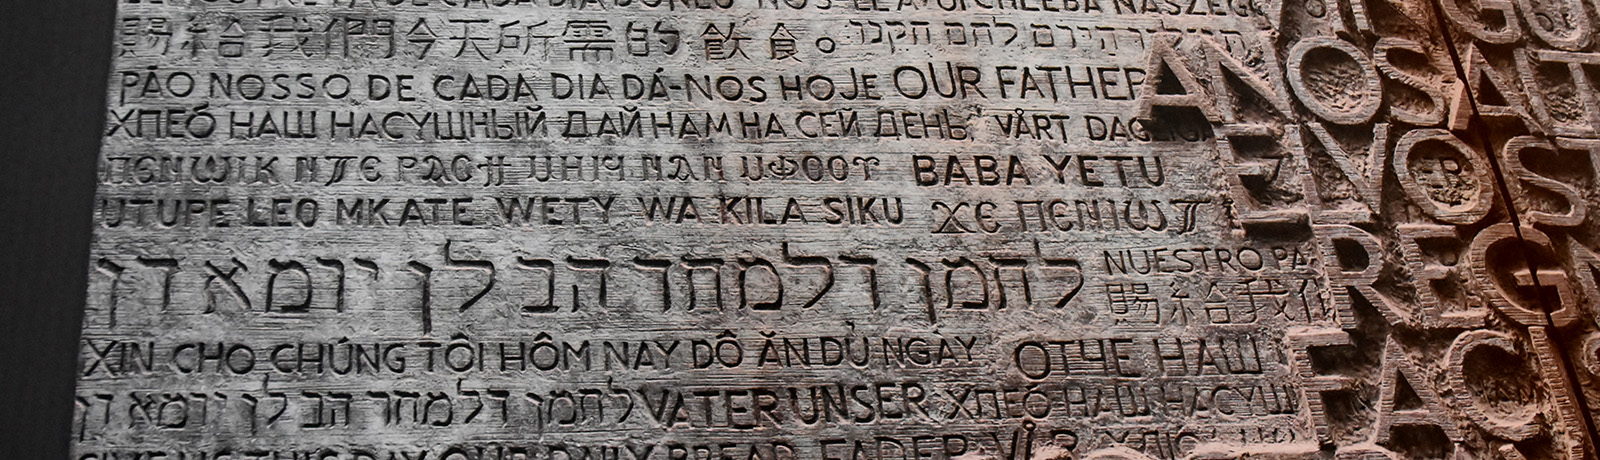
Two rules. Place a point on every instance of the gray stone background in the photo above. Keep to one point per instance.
(1570, 124)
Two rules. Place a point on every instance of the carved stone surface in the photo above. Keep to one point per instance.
(846, 230)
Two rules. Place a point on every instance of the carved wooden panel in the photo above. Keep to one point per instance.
(846, 230)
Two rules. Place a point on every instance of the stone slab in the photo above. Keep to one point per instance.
(829, 230)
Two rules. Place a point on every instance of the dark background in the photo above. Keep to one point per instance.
(54, 59)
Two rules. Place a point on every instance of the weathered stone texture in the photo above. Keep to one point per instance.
(830, 230)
